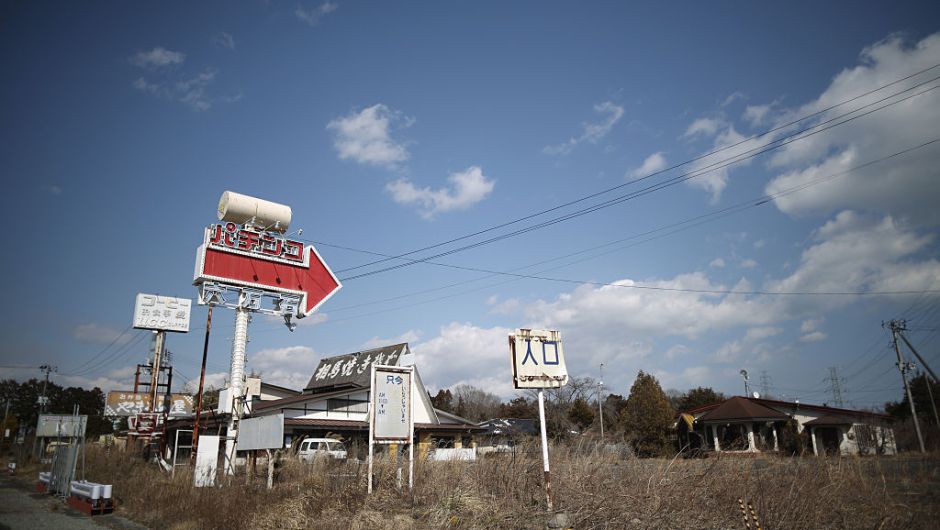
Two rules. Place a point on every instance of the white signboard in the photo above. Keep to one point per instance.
(391, 404)
(538, 360)
(162, 313)
(265, 432)
(207, 461)
(56, 426)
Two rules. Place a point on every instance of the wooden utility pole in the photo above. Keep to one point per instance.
(896, 326)
(202, 380)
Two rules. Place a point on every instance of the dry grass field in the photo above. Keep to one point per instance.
(505, 491)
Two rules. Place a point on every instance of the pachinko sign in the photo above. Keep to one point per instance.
(230, 236)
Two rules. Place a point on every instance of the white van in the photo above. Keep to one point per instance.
(312, 448)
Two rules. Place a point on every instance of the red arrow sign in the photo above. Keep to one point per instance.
(229, 261)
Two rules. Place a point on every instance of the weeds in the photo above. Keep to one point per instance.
(596, 488)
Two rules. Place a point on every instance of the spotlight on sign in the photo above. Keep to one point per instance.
(243, 209)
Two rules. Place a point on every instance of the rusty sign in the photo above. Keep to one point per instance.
(126, 403)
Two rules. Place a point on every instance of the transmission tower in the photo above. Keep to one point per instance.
(764, 384)
(835, 386)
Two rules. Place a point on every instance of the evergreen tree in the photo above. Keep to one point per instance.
(648, 417)
(443, 401)
(581, 414)
(699, 396)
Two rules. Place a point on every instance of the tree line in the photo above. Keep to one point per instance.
(644, 418)
(23, 401)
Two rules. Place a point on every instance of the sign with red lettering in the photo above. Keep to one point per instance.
(236, 255)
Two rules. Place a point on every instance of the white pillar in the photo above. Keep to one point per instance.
(239, 345)
(812, 436)
(773, 429)
(751, 446)
(715, 437)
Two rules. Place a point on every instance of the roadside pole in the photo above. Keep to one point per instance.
(548, 475)
(202, 380)
(903, 367)
(239, 345)
(371, 425)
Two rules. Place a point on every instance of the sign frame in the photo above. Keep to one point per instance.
(373, 402)
(262, 432)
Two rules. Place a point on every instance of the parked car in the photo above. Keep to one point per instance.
(313, 448)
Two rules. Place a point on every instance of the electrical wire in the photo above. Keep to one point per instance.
(655, 187)
(650, 175)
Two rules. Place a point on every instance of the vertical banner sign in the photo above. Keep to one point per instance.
(391, 418)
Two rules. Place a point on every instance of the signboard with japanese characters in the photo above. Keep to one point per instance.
(61, 426)
(126, 403)
(162, 313)
(354, 368)
(538, 360)
(391, 418)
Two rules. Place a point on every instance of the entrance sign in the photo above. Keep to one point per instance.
(162, 313)
(391, 412)
(538, 359)
(244, 256)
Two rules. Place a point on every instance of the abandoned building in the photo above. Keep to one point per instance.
(744, 424)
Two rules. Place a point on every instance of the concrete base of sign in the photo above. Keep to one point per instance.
(559, 520)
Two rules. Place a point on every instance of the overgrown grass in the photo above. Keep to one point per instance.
(597, 490)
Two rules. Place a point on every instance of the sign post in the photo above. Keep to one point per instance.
(538, 361)
(391, 412)
(248, 258)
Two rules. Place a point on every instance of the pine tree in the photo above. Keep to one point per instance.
(581, 414)
(648, 417)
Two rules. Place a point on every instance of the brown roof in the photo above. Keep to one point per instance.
(362, 425)
(828, 420)
(741, 409)
(352, 370)
(821, 408)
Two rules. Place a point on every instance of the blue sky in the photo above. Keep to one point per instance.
(389, 127)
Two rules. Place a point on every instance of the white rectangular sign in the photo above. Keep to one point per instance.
(391, 404)
(60, 425)
(207, 461)
(264, 432)
(538, 360)
(162, 313)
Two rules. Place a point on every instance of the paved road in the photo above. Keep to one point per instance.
(20, 509)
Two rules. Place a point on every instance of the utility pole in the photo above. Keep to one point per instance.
(933, 403)
(43, 400)
(158, 341)
(600, 400)
(835, 387)
(896, 326)
(747, 389)
(202, 380)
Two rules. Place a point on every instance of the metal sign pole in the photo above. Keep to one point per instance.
(371, 424)
(548, 476)
(411, 430)
(239, 345)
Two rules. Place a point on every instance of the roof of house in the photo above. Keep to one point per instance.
(827, 421)
(352, 370)
(350, 425)
(739, 408)
(279, 388)
(787, 406)
(510, 426)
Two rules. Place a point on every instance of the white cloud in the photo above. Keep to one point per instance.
(365, 136)
(653, 163)
(591, 132)
(466, 188)
(52, 188)
(213, 380)
(707, 127)
(466, 354)
(757, 114)
(748, 264)
(760, 243)
(100, 334)
(409, 336)
(158, 57)
(290, 367)
(224, 40)
(312, 16)
(815, 336)
(734, 96)
(717, 263)
(810, 325)
(907, 184)
(191, 91)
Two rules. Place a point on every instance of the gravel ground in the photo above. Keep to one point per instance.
(20, 508)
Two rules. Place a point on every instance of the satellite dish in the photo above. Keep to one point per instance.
(756, 394)
(743, 373)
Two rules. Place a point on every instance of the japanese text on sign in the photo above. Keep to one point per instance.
(391, 402)
(537, 359)
(162, 313)
(231, 236)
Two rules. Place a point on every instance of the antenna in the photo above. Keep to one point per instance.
(747, 389)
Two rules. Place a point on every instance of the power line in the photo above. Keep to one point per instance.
(650, 175)
(654, 187)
